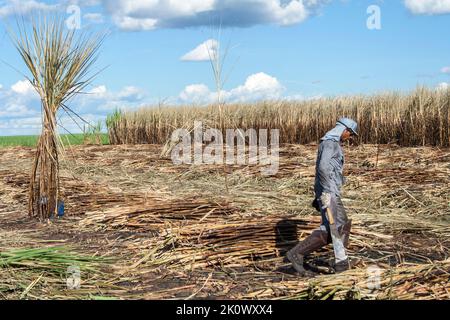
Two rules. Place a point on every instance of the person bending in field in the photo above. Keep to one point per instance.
(335, 227)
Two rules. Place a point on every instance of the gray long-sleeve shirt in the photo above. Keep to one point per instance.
(329, 168)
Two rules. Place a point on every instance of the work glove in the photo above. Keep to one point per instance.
(325, 200)
(315, 204)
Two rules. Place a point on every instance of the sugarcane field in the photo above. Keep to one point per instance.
(268, 190)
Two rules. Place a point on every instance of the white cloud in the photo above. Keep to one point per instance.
(20, 100)
(126, 93)
(98, 92)
(84, 3)
(205, 51)
(101, 99)
(16, 110)
(197, 93)
(429, 7)
(20, 106)
(68, 125)
(259, 86)
(131, 93)
(151, 14)
(445, 70)
(134, 24)
(23, 7)
(443, 86)
(32, 125)
(24, 88)
(94, 17)
(132, 15)
(21, 126)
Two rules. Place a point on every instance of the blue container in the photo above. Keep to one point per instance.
(60, 208)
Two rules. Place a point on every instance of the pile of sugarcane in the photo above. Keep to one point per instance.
(250, 250)
(408, 282)
(191, 237)
(197, 234)
(156, 214)
(80, 196)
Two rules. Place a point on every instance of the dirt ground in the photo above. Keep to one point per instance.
(210, 232)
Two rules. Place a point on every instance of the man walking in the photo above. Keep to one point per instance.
(335, 226)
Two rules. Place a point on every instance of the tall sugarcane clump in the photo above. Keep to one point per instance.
(59, 60)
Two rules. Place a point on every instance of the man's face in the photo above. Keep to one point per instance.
(346, 135)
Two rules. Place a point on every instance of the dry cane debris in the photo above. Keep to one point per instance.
(162, 231)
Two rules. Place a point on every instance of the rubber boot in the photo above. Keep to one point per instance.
(315, 241)
(342, 266)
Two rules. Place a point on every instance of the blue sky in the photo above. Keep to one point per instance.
(280, 49)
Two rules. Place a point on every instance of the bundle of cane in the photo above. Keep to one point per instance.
(59, 61)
